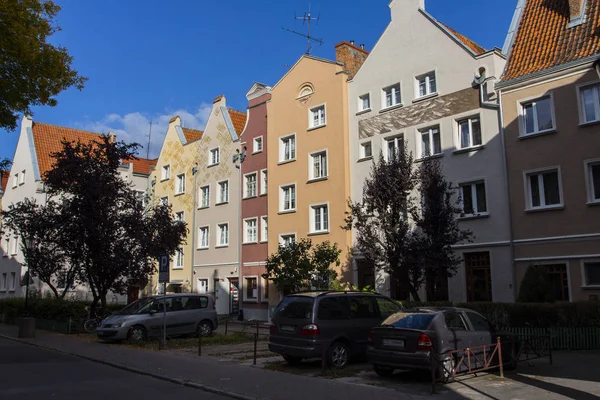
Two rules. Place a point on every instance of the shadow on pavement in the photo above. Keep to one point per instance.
(569, 392)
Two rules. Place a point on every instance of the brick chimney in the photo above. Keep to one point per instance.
(576, 8)
(351, 56)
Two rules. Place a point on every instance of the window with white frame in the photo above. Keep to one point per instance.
(257, 144)
(179, 216)
(366, 150)
(203, 233)
(265, 289)
(287, 198)
(393, 147)
(287, 148)
(223, 234)
(250, 185)
(14, 245)
(319, 218)
(204, 196)
(251, 288)
(593, 175)
(264, 229)
(16, 180)
(426, 84)
(469, 131)
(214, 157)
(473, 198)
(263, 181)
(165, 172)
(364, 102)
(180, 184)
(317, 116)
(164, 200)
(13, 282)
(544, 188)
(391, 95)
(223, 192)
(589, 99)
(141, 197)
(537, 116)
(179, 258)
(287, 239)
(202, 285)
(318, 165)
(591, 271)
(22, 177)
(3, 281)
(251, 230)
(431, 142)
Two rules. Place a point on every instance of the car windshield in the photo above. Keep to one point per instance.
(409, 320)
(137, 307)
(297, 307)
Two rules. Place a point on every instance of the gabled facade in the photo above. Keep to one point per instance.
(254, 223)
(550, 95)
(417, 87)
(216, 237)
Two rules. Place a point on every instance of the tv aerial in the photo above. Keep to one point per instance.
(307, 20)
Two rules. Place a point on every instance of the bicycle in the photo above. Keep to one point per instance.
(91, 324)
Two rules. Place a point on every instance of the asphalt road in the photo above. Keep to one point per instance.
(28, 372)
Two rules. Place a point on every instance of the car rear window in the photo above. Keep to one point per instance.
(296, 307)
(409, 320)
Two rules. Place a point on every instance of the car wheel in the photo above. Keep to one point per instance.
(338, 355)
(384, 372)
(137, 333)
(292, 360)
(205, 328)
(445, 368)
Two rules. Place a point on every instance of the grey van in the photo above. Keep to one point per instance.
(186, 314)
(330, 323)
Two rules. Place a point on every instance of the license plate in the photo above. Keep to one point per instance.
(393, 343)
(287, 328)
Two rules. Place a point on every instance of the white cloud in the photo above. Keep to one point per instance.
(135, 126)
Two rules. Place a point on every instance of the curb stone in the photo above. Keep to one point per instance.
(176, 381)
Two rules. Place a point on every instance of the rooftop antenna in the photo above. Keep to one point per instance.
(149, 137)
(307, 19)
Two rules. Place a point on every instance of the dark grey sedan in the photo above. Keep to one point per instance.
(405, 339)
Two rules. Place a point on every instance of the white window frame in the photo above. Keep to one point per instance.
(245, 289)
(247, 238)
(15, 180)
(13, 282)
(397, 97)
(211, 152)
(469, 120)
(397, 139)
(282, 141)
(179, 253)
(264, 284)
(311, 169)
(282, 189)
(521, 109)
(429, 130)
(528, 194)
(313, 213)
(257, 145)
(22, 178)
(141, 197)
(165, 200)
(322, 118)
(472, 184)
(207, 287)
(247, 194)
(361, 98)
(263, 181)
(264, 228)
(581, 104)
(219, 227)
(589, 183)
(182, 213)
(286, 235)
(584, 282)
(180, 184)
(428, 91)
(202, 197)
(201, 245)
(362, 154)
(220, 191)
(165, 173)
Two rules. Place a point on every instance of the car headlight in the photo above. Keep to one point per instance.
(112, 325)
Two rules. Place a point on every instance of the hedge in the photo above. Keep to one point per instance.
(531, 315)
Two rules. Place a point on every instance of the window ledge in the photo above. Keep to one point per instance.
(286, 161)
(593, 203)
(440, 155)
(317, 179)
(266, 301)
(364, 159)
(264, 241)
(314, 128)
(177, 268)
(2, 290)
(11, 290)
(426, 97)
(250, 301)
(222, 203)
(545, 208)
(21, 184)
(257, 152)
(390, 108)
(203, 207)
(262, 194)
(469, 149)
(590, 287)
(162, 180)
(474, 216)
(221, 246)
(589, 123)
(212, 165)
(286, 212)
(536, 134)
(366, 110)
(249, 197)
(202, 248)
(178, 194)
(317, 233)
(248, 243)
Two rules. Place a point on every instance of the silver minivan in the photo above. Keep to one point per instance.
(186, 313)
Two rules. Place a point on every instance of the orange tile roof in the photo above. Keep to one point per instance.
(238, 119)
(544, 40)
(191, 134)
(48, 139)
(142, 165)
(466, 41)
(4, 179)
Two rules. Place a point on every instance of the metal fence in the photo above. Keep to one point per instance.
(564, 338)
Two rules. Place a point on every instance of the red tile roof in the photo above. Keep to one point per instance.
(466, 41)
(238, 119)
(142, 165)
(191, 134)
(544, 40)
(4, 179)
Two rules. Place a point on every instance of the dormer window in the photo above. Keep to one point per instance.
(577, 12)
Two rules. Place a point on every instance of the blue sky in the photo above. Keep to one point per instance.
(148, 60)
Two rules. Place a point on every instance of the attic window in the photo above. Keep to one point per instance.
(305, 91)
(577, 12)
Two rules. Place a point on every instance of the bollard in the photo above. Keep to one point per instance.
(501, 362)
(432, 368)
(255, 344)
(199, 343)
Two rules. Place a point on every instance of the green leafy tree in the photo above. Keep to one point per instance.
(300, 265)
(32, 71)
(536, 286)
